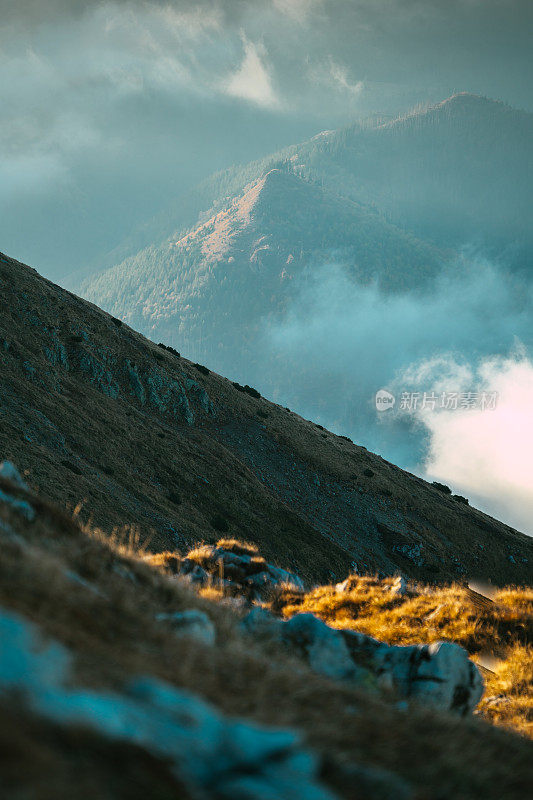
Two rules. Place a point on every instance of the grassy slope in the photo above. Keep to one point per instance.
(108, 622)
(308, 498)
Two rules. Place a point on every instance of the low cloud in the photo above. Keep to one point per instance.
(487, 453)
(340, 342)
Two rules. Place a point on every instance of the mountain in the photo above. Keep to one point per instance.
(457, 173)
(263, 245)
(103, 420)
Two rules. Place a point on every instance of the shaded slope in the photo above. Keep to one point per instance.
(94, 412)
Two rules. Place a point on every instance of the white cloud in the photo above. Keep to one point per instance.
(334, 75)
(339, 76)
(252, 81)
(485, 454)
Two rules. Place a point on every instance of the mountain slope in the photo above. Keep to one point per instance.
(236, 713)
(93, 411)
(263, 245)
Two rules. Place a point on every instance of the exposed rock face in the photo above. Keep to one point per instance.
(439, 675)
(216, 757)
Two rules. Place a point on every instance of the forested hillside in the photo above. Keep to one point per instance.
(263, 246)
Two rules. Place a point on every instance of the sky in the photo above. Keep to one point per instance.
(110, 110)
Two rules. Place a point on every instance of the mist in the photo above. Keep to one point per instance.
(470, 332)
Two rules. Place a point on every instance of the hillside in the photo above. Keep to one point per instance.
(264, 245)
(232, 703)
(101, 419)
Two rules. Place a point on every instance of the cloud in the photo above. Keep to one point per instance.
(298, 10)
(329, 74)
(487, 454)
(340, 342)
(252, 80)
(339, 77)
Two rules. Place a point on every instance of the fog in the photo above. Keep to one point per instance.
(340, 343)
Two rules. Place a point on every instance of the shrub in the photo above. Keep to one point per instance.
(238, 547)
(247, 390)
(201, 368)
(442, 487)
(369, 473)
(461, 499)
(174, 497)
(117, 322)
(169, 349)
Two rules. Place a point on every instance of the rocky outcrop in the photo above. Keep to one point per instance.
(237, 568)
(439, 675)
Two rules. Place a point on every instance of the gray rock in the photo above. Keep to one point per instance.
(280, 576)
(9, 472)
(216, 757)
(322, 647)
(261, 622)
(193, 624)
(399, 587)
(439, 675)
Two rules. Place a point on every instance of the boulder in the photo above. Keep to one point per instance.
(322, 647)
(439, 675)
(193, 623)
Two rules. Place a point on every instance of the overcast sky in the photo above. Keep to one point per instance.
(110, 109)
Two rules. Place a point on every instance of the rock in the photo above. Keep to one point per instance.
(193, 623)
(279, 576)
(399, 587)
(259, 621)
(9, 472)
(214, 756)
(439, 675)
(239, 568)
(194, 573)
(322, 647)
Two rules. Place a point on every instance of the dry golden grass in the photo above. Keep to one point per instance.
(497, 632)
